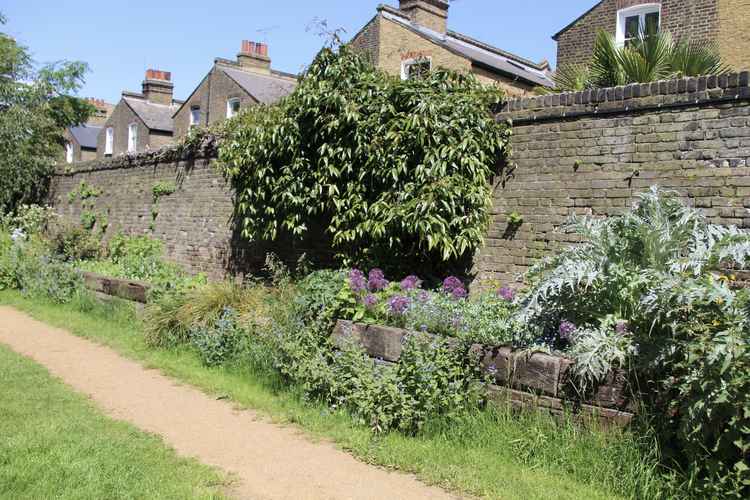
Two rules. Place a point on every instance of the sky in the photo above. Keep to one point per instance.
(120, 40)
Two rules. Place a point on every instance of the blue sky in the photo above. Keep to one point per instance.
(120, 40)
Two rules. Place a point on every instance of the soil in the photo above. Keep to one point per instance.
(268, 461)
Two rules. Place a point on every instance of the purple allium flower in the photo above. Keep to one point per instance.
(398, 304)
(506, 293)
(357, 281)
(370, 301)
(451, 283)
(459, 293)
(566, 330)
(622, 328)
(423, 296)
(411, 283)
(376, 281)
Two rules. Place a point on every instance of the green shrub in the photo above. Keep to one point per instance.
(73, 242)
(400, 171)
(7, 271)
(37, 273)
(122, 247)
(647, 291)
(219, 340)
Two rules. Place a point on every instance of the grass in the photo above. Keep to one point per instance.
(55, 444)
(492, 454)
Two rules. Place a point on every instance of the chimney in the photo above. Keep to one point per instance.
(432, 14)
(254, 56)
(158, 87)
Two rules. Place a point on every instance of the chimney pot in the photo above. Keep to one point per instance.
(254, 57)
(158, 87)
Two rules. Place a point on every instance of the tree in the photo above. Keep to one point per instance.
(36, 106)
(648, 58)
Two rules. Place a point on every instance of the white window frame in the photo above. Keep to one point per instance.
(109, 141)
(406, 63)
(133, 137)
(230, 102)
(69, 152)
(638, 10)
(195, 116)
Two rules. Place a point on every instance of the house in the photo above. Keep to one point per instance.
(415, 38)
(723, 22)
(140, 121)
(80, 141)
(231, 86)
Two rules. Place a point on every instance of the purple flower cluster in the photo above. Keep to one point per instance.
(506, 293)
(622, 328)
(411, 283)
(566, 330)
(455, 288)
(370, 301)
(357, 281)
(398, 305)
(376, 280)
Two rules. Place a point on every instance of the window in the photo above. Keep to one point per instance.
(109, 142)
(132, 137)
(415, 68)
(195, 116)
(633, 21)
(68, 152)
(233, 107)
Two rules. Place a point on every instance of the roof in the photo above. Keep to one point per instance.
(85, 135)
(155, 116)
(266, 89)
(573, 23)
(485, 55)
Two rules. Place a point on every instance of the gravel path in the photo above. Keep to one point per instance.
(269, 461)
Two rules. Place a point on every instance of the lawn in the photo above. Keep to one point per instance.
(492, 454)
(56, 444)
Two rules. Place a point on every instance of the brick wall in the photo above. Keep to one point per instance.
(734, 40)
(695, 19)
(589, 153)
(194, 223)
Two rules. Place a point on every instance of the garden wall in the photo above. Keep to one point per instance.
(584, 153)
(590, 152)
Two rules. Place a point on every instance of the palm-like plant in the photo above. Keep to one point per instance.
(648, 58)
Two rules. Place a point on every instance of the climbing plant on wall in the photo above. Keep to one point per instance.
(389, 168)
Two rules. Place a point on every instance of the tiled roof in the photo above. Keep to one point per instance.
(266, 89)
(85, 135)
(483, 54)
(155, 116)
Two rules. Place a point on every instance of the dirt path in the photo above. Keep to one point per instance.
(270, 461)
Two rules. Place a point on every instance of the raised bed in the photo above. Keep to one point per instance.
(107, 286)
(521, 378)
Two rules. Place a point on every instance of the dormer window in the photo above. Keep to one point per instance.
(132, 137)
(633, 21)
(415, 68)
(195, 116)
(233, 107)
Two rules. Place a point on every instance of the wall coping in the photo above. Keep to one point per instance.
(635, 97)
(205, 150)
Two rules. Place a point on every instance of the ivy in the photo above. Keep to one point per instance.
(391, 169)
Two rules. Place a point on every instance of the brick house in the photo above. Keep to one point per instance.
(140, 121)
(723, 22)
(415, 37)
(231, 86)
(80, 141)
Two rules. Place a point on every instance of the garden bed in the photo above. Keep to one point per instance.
(521, 377)
(107, 286)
